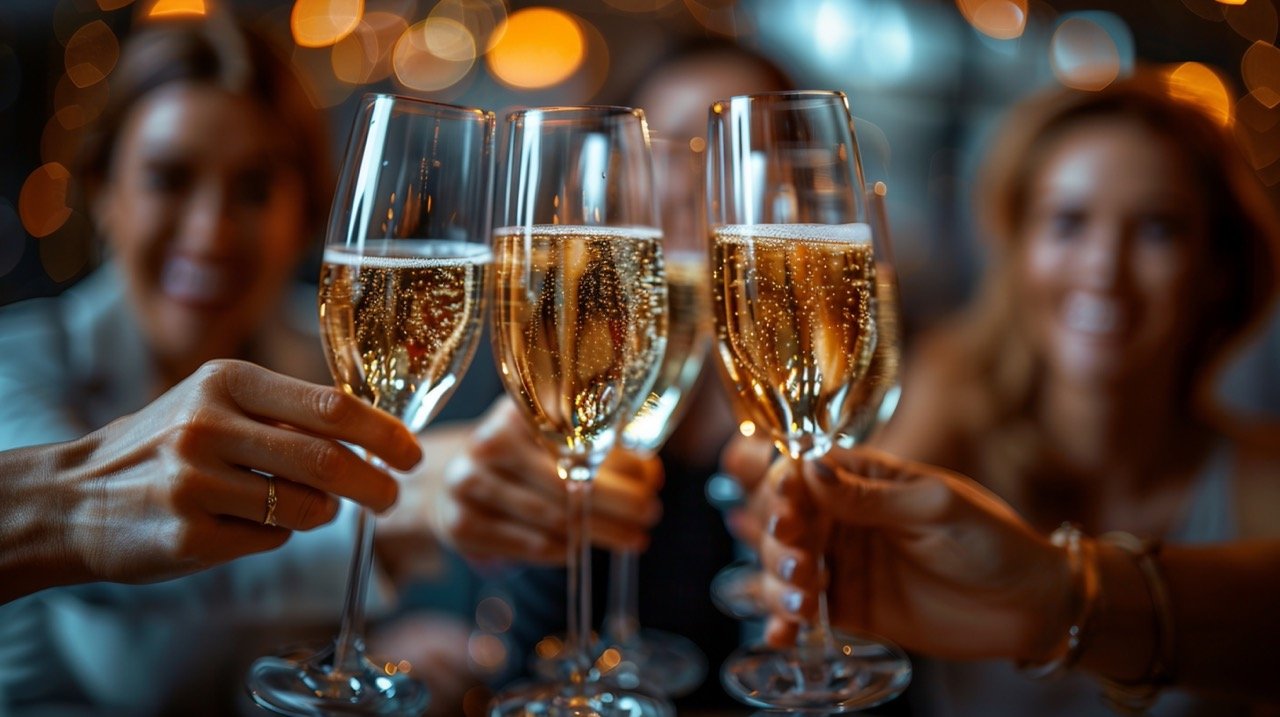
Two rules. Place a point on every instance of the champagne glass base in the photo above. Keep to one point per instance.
(307, 685)
(738, 591)
(596, 699)
(663, 662)
(857, 674)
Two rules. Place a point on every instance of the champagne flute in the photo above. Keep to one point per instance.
(796, 302)
(670, 663)
(579, 330)
(401, 300)
(737, 589)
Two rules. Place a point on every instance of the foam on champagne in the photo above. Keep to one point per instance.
(410, 254)
(853, 233)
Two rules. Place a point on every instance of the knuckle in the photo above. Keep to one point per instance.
(332, 406)
(329, 460)
(316, 509)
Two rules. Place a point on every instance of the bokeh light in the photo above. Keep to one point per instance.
(59, 144)
(415, 60)
(65, 252)
(1207, 9)
(1001, 19)
(538, 47)
(91, 54)
(10, 77)
(365, 55)
(71, 15)
(1200, 85)
(321, 23)
(1256, 115)
(314, 67)
(493, 614)
(13, 240)
(42, 202)
(1089, 50)
(176, 8)
(1253, 21)
(487, 652)
(594, 69)
(747, 428)
(75, 106)
(482, 18)
(1260, 69)
(1235, 2)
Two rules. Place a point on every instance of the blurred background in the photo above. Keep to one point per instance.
(926, 79)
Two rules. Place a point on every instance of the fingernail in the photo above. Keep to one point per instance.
(787, 567)
(822, 471)
(773, 525)
(792, 601)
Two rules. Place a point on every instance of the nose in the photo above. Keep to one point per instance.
(207, 227)
(1104, 259)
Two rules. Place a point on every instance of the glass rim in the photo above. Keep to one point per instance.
(572, 112)
(460, 111)
(776, 95)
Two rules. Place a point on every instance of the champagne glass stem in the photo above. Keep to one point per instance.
(349, 648)
(622, 621)
(579, 475)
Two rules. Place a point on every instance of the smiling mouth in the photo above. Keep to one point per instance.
(1092, 314)
(197, 284)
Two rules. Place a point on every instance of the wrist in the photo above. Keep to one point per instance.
(35, 551)
(1070, 605)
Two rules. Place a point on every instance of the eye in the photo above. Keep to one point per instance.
(166, 178)
(1067, 224)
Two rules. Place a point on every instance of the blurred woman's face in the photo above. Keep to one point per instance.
(204, 218)
(1115, 242)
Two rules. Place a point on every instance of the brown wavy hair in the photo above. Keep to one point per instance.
(1242, 226)
(219, 52)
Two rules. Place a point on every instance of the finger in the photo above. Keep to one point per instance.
(747, 459)
(789, 564)
(322, 410)
(475, 484)
(780, 633)
(483, 535)
(611, 535)
(244, 494)
(647, 470)
(620, 499)
(786, 601)
(852, 497)
(310, 460)
(231, 538)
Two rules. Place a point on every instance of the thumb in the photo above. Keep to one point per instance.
(841, 484)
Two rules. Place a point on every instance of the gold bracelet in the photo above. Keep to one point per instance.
(1136, 698)
(1082, 558)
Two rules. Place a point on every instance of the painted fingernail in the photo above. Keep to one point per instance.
(773, 525)
(787, 567)
(792, 601)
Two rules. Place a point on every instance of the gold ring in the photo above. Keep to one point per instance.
(271, 502)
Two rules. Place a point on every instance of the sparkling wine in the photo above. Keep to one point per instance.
(400, 320)
(795, 312)
(688, 333)
(580, 327)
(874, 397)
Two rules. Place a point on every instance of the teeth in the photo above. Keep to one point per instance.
(1091, 313)
(187, 280)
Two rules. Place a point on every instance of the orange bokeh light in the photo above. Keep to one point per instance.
(539, 47)
(91, 54)
(1260, 69)
(433, 54)
(321, 23)
(365, 55)
(1001, 19)
(42, 203)
(1200, 85)
(176, 8)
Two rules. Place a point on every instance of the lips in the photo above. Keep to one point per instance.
(197, 283)
(1092, 314)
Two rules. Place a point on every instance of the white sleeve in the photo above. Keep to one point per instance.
(34, 377)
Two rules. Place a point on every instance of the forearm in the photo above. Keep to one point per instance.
(1222, 601)
(33, 549)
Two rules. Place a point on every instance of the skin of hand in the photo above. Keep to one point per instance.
(748, 459)
(498, 496)
(917, 554)
(171, 489)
